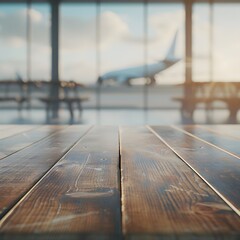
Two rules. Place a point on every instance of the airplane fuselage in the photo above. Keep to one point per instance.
(142, 71)
(147, 71)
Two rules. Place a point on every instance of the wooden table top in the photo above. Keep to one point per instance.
(109, 182)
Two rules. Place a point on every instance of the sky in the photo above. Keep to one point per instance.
(121, 40)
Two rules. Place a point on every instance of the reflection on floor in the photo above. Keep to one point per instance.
(115, 117)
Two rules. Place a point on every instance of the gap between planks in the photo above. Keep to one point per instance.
(223, 141)
(200, 139)
(16, 130)
(34, 186)
(120, 178)
(162, 195)
(31, 143)
(212, 187)
(102, 145)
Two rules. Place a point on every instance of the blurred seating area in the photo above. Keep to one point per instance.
(23, 93)
(209, 95)
(105, 58)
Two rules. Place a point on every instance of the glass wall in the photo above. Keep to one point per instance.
(40, 38)
(165, 43)
(20, 45)
(216, 47)
(226, 44)
(13, 18)
(165, 22)
(121, 36)
(115, 48)
(202, 42)
(121, 51)
(78, 42)
(124, 31)
(119, 42)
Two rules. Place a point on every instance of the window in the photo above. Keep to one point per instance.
(226, 45)
(202, 42)
(40, 53)
(78, 43)
(13, 46)
(216, 48)
(164, 22)
(15, 40)
(121, 48)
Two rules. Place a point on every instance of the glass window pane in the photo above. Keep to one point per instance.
(40, 30)
(165, 21)
(166, 41)
(121, 52)
(226, 47)
(13, 41)
(121, 37)
(78, 42)
(216, 48)
(201, 42)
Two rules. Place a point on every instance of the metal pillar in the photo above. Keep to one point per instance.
(29, 40)
(188, 47)
(98, 60)
(188, 53)
(145, 55)
(211, 40)
(187, 106)
(54, 91)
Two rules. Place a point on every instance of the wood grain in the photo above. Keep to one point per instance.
(20, 171)
(162, 196)
(15, 129)
(219, 169)
(223, 141)
(15, 143)
(79, 195)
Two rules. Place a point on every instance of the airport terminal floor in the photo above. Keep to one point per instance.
(115, 117)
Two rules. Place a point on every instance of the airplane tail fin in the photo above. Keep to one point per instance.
(99, 81)
(171, 51)
(18, 77)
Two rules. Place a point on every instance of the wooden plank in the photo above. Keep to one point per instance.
(162, 196)
(19, 141)
(228, 130)
(20, 171)
(15, 129)
(79, 195)
(219, 169)
(225, 142)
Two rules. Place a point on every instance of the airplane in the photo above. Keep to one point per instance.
(124, 76)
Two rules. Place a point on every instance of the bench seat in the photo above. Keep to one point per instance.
(189, 103)
(50, 101)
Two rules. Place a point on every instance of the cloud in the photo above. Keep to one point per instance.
(13, 28)
(113, 28)
(78, 37)
(77, 33)
(161, 26)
